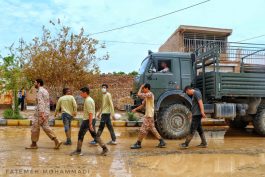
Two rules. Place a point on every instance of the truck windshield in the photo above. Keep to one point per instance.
(143, 66)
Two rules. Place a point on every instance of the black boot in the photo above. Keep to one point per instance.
(105, 150)
(68, 142)
(204, 142)
(187, 142)
(161, 143)
(137, 145)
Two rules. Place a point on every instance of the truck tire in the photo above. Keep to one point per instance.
(173, 122)
(238, 123)
(259, 122)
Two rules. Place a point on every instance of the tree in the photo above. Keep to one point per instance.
(11, 79)
(133, 73)
(61, 58)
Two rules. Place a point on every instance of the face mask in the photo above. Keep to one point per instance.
(104, 90)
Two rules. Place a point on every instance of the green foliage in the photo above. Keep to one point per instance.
(131, 116)
(12, 78)
(133, 73)
(10, 114)
(120, 73)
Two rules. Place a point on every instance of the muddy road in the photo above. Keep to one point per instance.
(230, 153)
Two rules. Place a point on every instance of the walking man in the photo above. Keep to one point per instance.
(148, 123)
(68, 107)
(89, 114)
(41, 117)
(197, 115)
(106, 112)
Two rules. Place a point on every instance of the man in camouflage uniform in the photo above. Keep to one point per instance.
(148, 123)
(41, 117)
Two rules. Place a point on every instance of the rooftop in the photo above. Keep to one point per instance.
(205, 30)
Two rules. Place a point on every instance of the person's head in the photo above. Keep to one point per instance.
(104, 88)
(189, 90)
(146, 88)
(164, 64)
(38, 83)
(84, 92)
(66, 91)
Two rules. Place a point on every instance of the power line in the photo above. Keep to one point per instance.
(255, 37)
(127, 42)
(150, 19)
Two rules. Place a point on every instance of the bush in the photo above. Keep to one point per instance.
(131, 116)
(133, 73)
(10, 114)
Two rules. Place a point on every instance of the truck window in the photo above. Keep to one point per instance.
(143, 66)
(164, 66)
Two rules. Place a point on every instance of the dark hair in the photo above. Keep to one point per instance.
(188, 87)
(40, 81)
(65, 90)
(148, 86)
(105, 85)
(85, 89)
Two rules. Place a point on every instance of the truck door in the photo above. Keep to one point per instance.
(159, 80)
(185, 72)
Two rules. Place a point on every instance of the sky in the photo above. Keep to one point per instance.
(25, 18)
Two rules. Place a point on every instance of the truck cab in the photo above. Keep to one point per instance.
(167, 86)
(177, 77)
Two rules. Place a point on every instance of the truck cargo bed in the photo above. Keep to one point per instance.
(217, 84)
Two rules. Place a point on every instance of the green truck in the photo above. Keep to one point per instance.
(238, 97)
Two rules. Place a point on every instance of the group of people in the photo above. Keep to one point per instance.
(68, 107)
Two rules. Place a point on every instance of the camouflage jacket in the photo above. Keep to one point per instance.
(43, 102)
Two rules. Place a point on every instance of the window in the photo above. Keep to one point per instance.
(143, 66)
(164, 66)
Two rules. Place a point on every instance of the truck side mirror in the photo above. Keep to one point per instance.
(152, 70)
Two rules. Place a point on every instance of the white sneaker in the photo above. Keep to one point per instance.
(112, 143)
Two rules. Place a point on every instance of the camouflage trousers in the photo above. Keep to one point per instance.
(148, 125)
(35, 129)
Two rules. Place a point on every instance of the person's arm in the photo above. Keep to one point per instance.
(90, 115)
(143, 95)
(58, 106)
(202, 108)
(41, 105)
(75, 107)
(90, 122)
(139, 107)
(139, 93)
(100, 109)
(111, 105)
(198, 97)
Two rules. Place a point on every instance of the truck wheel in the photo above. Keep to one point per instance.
(173, 122)
(238, 123)
(259, 122)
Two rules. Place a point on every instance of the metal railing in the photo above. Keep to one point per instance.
(248, 55)
(230, 51)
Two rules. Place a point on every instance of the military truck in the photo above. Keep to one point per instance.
(236, 96)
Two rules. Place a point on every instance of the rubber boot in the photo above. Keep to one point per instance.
(161, 143)
(137, 145)
(204, 142)
(78, 149)
(187, 142)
